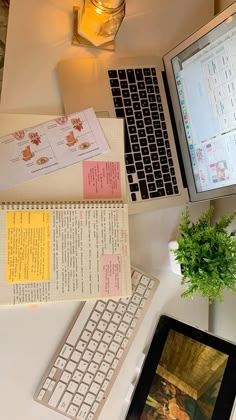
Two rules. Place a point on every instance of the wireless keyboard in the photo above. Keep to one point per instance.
(84, 367)
(148, 157)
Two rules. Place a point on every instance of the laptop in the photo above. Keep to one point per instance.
(179, 113)
(188, 374)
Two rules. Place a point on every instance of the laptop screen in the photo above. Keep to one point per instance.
(201, 73)
(205, 81)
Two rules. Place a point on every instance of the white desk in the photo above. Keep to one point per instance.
(39, 36)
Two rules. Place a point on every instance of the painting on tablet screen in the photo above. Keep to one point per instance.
(187, 381)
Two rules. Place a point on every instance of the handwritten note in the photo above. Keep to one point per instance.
(110, 275)
(27, 246)
(101, 179)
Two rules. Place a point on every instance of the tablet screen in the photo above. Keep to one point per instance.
(186, 382)
(188, 374)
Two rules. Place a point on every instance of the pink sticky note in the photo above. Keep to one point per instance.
(101, 179)
(110, 275)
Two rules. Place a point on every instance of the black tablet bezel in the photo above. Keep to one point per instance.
(225, 400)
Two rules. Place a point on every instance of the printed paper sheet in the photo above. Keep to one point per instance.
(50, 146)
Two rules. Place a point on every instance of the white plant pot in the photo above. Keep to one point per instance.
(174, 265)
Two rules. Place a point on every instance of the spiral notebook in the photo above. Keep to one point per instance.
(75, 246)
(70, 251)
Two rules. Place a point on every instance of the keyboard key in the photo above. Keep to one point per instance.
(57, 394)
(124, 84)
(133, 88)
(60, 363)
(159, 142)
(136, 106)
(169, 188)
(141, 174)
(128, 111)
(146, 112)
(122, 74)
(158, 174)
(116, 92)
(152, 187)
(159, 183)
(140, 124)
(120, 113)
(130, 120)
(129, 159)
(127, 102)
(118, 103)
(153, 107)
(130, 169)
(114, 82)
(156, 165)
(143, 189)
(156, 124)
(143, 141)
(159, 193)
(72, 410)
(139, 74)
(163, 160)
(65, 377)
(136, 147)
(135, 97)
(166, 177)
(125, 93)
(132, 129)
(66, 351)
(144, 103)
(165, 169)
(148, 169)
(161, 150)
(150, 178)
(112, 74)
(83, 411)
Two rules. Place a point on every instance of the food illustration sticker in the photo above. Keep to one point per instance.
(27, 154)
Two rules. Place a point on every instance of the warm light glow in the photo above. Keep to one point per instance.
(99, 11)
(229, 19)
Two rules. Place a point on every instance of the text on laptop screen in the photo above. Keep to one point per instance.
(187, 380)
(205, 77)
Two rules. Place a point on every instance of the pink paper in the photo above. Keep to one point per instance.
(110, 275)
(101, 179)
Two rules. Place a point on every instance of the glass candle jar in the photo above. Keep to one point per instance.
(100, 20)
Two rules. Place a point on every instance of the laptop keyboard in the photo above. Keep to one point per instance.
(80, 377)
(148, 158)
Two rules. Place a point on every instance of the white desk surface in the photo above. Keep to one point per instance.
(39, 36)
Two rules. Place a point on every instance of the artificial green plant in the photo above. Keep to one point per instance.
(207, 255)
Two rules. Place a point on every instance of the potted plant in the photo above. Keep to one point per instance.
(206, 252)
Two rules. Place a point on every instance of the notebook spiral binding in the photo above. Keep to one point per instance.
(60, 205)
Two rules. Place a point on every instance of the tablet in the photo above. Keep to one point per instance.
(188, 374)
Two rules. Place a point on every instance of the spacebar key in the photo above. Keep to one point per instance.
(57, 393)
(127, 140)
(79, 323)
(143, 189)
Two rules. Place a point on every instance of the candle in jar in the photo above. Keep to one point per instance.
(100, 20)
